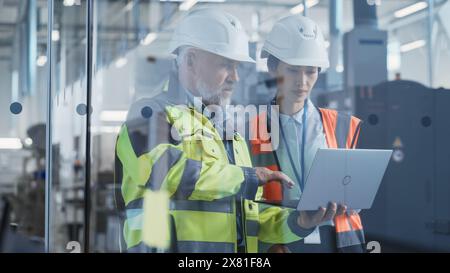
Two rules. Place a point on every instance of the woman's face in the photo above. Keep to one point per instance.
(294, 83)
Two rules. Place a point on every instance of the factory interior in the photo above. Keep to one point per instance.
(71, 69)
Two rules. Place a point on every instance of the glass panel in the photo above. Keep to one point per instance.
(68, 126)
(119, 29)
(133, 67)
(23, 89)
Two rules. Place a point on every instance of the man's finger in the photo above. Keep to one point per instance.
(284, 179)
(331, 212)
(341, 209)
(318, 216)
(352, 212)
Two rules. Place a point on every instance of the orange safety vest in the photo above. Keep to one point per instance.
(341, 131)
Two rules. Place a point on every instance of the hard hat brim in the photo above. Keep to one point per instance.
(299, 61)
(239, 58)
(234, 57)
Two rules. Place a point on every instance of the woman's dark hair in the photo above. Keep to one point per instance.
(272, 63)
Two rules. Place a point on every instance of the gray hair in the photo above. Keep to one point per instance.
(181, 56)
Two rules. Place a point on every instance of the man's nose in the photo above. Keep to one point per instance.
(233, 75)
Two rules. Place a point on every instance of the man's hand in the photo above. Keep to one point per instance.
(310, 219)
(265, 175)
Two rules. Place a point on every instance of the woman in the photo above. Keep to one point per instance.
(296, 53)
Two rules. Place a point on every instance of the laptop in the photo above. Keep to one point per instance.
(345, 176)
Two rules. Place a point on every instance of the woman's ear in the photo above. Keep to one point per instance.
(274, 74)
(276, 77)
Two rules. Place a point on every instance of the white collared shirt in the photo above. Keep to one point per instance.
(315, 138)
(292, 127)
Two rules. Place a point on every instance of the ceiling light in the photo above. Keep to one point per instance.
(300, 8)
(129, 6)
(41, 60)
(149, 38)
(10, 143)
(121, 62)
(410, 9)
(113, 116)
(187, 5)
(412, 45)
(69, 3)
(55, 35)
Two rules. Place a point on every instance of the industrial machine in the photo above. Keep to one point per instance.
(412, 209)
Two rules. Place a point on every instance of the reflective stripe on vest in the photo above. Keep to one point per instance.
(222, 206)
(349, 230)
(341, 131)
(211, 219)
(205, 247)
(252, 228)
(191, 174)
(161, 167)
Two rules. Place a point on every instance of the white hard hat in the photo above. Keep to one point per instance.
(297, 40)
(214, 31)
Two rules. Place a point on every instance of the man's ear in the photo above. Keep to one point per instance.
(190, 59)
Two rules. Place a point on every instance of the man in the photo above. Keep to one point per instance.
(171, 143)
(296, 53)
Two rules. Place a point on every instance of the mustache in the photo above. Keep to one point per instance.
(228, 85)
(231, 87)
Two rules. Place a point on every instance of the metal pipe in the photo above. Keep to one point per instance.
(87, 185)
(335, 52)
(31, 46)
(48, 137)
(137, 19)
(430, 41)
(305, 12)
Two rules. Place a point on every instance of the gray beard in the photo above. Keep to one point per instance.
(211, 97)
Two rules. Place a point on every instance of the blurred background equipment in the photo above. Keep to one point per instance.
(365, 48)
(412, 209)
(28, 204)
(10, 240)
